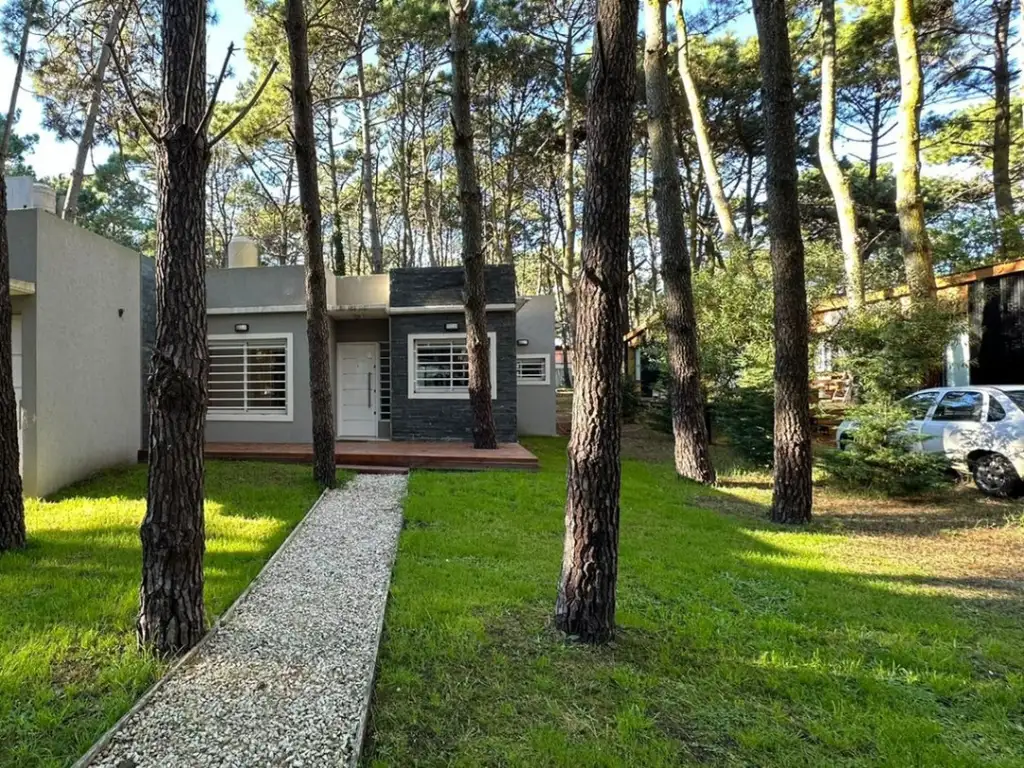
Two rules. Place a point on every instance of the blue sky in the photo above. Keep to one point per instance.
(53, 157)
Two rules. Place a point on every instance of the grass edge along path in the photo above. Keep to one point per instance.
(740, 643)
(69, 665)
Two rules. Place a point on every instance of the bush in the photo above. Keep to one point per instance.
(745, 417)
(890, 350)
(881, 456)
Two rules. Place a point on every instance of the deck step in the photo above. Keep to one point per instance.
(373, 469)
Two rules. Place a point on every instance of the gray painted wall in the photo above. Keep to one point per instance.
(22, 235)
(256, 287)
(82, 355)
(147, 333)
(425, 419)
(535, 321)
(300, 428)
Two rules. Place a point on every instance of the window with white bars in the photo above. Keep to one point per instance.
(533, 369)
(439, 366)
(385, 382)
(250, 378)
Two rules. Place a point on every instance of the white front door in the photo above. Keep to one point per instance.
(16, 364)
(357, 389)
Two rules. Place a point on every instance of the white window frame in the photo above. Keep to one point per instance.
(545, 382)
(412, 394)
(289, 414)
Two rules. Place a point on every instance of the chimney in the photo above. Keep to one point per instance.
(242, 252)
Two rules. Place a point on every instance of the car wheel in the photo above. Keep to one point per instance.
(995, 475)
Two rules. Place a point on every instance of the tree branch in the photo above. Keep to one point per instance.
(247, 107)
(131, 96)
(204, 123)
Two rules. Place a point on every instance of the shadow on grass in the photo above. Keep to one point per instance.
(69, 665)
(740, 642)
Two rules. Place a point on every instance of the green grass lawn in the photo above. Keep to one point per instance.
(69, 665)
(739, 643)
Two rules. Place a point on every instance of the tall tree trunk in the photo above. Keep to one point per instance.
(837, 181)
(585, 608)
(70, 210)
(692, 456)
(700, 133)
(1011, 244)
(428, 211)
(791, 498)
(19, 71)
(369, 193)
(917, 251)
(873, 153)
(12, 505)
(317, 324)
(337, 237)
(171, 615)
(567, 274)
(460, 13)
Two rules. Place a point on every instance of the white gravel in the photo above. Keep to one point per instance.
(286, 679)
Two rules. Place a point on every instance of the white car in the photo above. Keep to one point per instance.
(980, 429)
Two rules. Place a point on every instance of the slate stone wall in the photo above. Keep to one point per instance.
(446, 419)
(441, 286)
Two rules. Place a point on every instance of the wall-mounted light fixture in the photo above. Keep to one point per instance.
(241, 327)
(523, 342)
(451, 326)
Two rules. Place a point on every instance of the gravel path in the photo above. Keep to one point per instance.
(286, 679)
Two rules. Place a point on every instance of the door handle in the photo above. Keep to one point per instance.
(369, 390)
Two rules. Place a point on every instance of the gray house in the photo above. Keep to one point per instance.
(398, 355)
(76, 344)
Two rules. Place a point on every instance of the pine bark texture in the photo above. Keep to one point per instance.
(692, 454)
(917, 251)
(369, 193)
(317, 324)
(12, 504)
(700, 132)
(567, 274)
(1011, 244)
(833, 172)
(70, 209)
(171, 615)
(791, 497)
(12, 109)
(460, 13)
(585, 608)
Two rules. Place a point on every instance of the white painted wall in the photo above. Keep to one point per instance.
(87, 409)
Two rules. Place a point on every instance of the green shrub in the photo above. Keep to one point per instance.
(745, 417)
(881, 456)
(890, 350)
(658, 415)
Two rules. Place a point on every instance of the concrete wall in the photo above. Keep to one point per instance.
(300, 428)
(535, 322)
(86, 410)
(445, 419)
(147, 334)
(248, 287)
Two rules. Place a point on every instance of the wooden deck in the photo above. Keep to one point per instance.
(378, 456)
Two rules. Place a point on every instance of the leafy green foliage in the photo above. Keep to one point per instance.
(890, 349)
(631, 403)
(19, 147)
(745, 416)
(881, 456)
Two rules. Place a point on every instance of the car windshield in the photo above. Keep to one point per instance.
(1017, 396)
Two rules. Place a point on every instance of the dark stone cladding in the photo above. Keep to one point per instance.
(442, 286)
(416, 419)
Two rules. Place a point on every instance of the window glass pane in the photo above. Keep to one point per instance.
(249, 377)
(441, 365)
(959, 406)
(996, 412)
(532, 369)
(919, 404)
